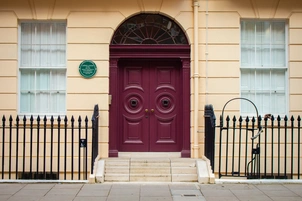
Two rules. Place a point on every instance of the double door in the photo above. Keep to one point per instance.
(149, 104)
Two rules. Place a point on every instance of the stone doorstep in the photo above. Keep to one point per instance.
(151, 177)
(150, 160)
(183, 164)
(150, 164)
(114, 169)
(182, 170)
(150, 170)
(117, 177)
(184, 177)
(133, 155)
(117, 163)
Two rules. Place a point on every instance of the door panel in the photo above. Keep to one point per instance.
(133, 123)
(164, 125)
(149, 105)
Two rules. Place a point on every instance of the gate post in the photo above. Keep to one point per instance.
(95, 135)
(210, 123)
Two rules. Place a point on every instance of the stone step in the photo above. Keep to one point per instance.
(136, 162)
(183, 163)
(150, 170)
(150, 177)
(117, 177)
(114, 169)
(183, 170)
(115, 162)
(184, 177)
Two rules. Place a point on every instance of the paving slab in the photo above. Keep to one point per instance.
(68, 186)
(281, 194)
(241, 192)
(32, 192)
(18, 198)
(286, 198)
(97, 186)
(184, 187)
(123, 198)
(125, 191)
(217, 193)
(4, 197)
(90, 199)
(93, 192)
(57, 198)
(149, 192)
(254, 198)
(272, 187)
(221, 198)
(188, 198)
(156, 199)
(125, 185)
(186, 193)
(38, 186)
(10, 189)
(155, 193)
(63, 191)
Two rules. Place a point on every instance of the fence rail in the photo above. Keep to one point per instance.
(48, 148)
(257, 148)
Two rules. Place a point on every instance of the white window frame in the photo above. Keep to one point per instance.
(267, 68)
(41, 114)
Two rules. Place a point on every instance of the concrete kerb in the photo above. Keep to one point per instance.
(257, 181)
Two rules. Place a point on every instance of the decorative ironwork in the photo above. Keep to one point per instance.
(30, 148)
(149, 29)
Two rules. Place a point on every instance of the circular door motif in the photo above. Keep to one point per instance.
(133, 103)
(165, 103)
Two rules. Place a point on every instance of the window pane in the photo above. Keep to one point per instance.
(43, 44)
(278, 44)
(26, 44)
(27, 82)
(267, 40)
(266, 87)
(43, 102)
(28, 103)
(58, 80)
(247, 43)
(43, 77)
(59, 102)
(43, 48)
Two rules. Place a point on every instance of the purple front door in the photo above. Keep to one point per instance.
(150, 105)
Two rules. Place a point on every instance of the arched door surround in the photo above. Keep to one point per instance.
(153, 53)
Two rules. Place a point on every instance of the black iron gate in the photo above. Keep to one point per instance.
(255, 148)
(48, 148)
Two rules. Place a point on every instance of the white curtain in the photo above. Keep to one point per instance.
(263, 67)
(43, 68)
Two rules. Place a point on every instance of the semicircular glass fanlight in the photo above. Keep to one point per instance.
(149, 29)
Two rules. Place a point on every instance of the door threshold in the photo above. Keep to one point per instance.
(149, 154)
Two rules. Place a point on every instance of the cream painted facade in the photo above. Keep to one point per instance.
(215, 51)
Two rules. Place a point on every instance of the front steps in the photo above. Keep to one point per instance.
(150, 170)
(153, 170)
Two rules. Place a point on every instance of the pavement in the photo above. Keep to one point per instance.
(150, 192)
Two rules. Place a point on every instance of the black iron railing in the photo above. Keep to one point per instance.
(210, 124)
(48, 148)
(258, 148)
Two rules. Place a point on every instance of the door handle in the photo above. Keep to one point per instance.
(152, 110)
(146, 110)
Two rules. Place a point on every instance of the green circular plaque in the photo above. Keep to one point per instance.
(87, 69)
